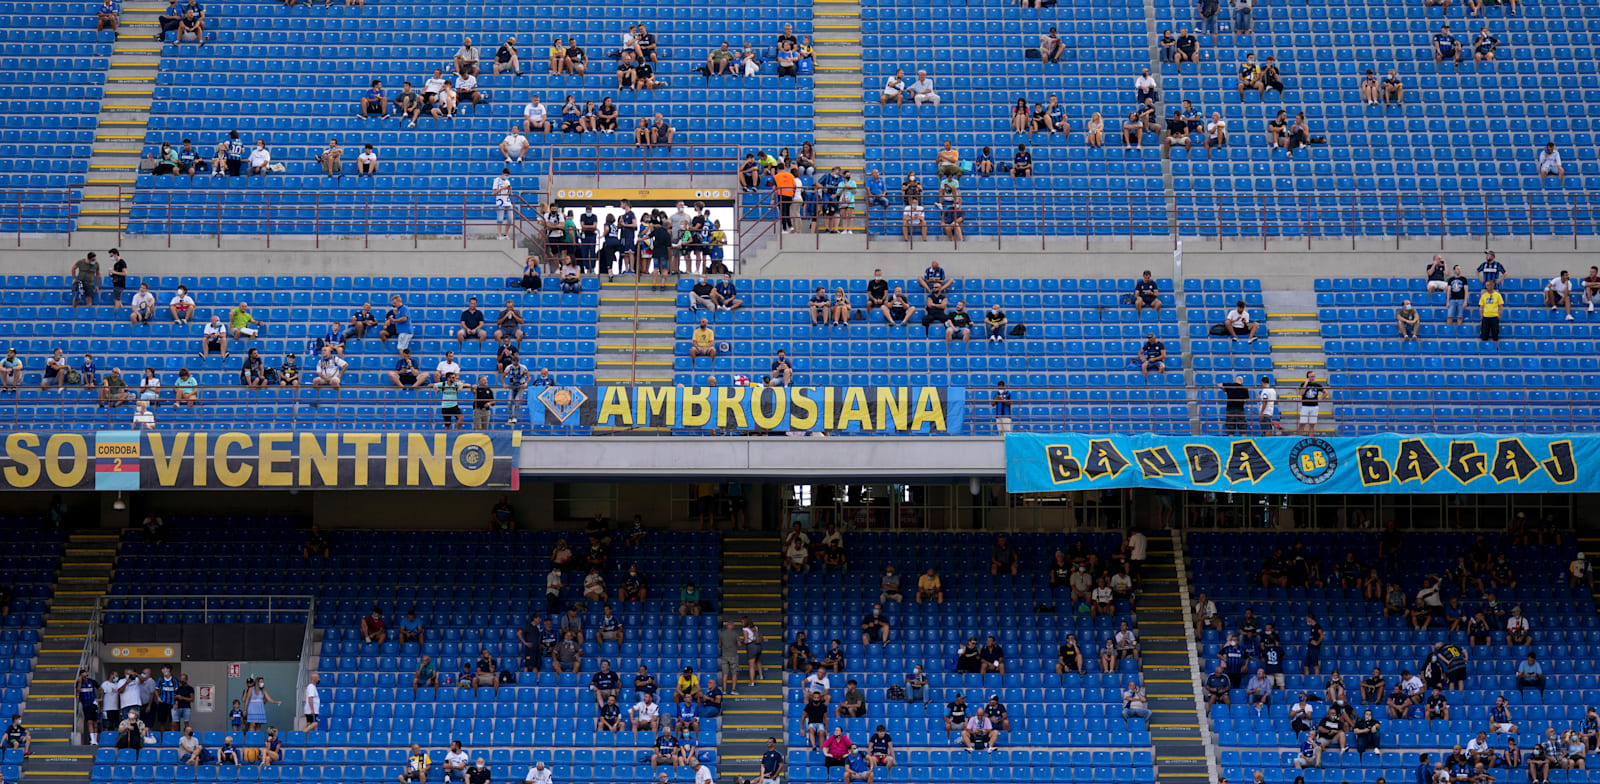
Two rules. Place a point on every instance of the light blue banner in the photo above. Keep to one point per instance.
(1385, 463)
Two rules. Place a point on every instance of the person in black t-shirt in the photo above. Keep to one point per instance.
(1236, 396)
(968, 658)
(1456, 306)
(955, 718)
(877, 290)
(1069, 658)
(1146, 293)
(771, 761)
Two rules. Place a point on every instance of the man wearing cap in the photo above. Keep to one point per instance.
(996, 711)
(1578, 572)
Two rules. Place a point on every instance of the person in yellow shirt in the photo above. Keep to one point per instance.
(688, 686)
(929, 587)
(704, 341)
(417, 764)
(1490, 303)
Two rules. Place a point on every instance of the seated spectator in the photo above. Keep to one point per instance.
(330, 369)
(644, 76)
(214, 339)
(1238, 322)
(1446, 46)
(406, 374)
(913, 215)
(726, 295)
(253, 373)
(782, 371)
(1259, 688)
(466, 90)
(193, 23)
(1187, 47)
(331, 159)
(260, 158)
(571, 278)
(952, 217)
(922, 90)
(166, 161)
(1051, 47)
(373, 104)
(1216, 133)
(367, 161)
(948, 161)
(854, 703)
(1549, 162)
(1022, 162)
(1152, 355)
(577, 60)
(1271, 77)
(514, 146)
(894, 89)
(1407, 320)
(1299, 134)
(1249, 75)
(898, 310)
(994, 323)
(720, 60)
(1217, 686)
(1144, 88)
(1146, 293)
(506, 58)
(1484, 44)
(1133, 129)
(372, 627)
(979, 734)
(704, 341)
(788, 60)
(1177, 132)
(466, 58)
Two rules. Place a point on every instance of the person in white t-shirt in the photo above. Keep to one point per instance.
(894, 89)
(215, 339)
(144, 305)
(313, 706)
(646, 714)
(143, 417)
(538, 774)
(501, 190)
(181, 306)
(1216, 133)
(1144, 86)
(367, 161)
(1558, 293)
(455, 763)
(702, 773)
(111, 699)
(330, 369)
(467, 90)
(260, 157)
(514, 146)
(432, 87)
(535, 117)
(1268, 406)
(447, 366)
(1238, 321)
(922, 90)
(1549, 161)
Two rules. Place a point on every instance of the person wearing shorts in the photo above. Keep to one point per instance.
(1311, 392)
(913, 216)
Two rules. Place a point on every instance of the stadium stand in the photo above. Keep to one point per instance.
(263, 58)
(1061, 727)
(53, 65)
(559, 333)
(1531, 378)
(31, 558)
(1522, 570)
(476, 597)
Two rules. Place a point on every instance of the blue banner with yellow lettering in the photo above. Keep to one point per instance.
(1386, 463)
(159, 460)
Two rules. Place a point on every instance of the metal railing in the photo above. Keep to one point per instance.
(212, 606)
(308, 647)
(1170, 410)
(88, 662)
(622, 158)
(992, 214)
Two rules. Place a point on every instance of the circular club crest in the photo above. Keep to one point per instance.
(1313, 461)
(473, 457)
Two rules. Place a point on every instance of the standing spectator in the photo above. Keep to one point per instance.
(85, 280)
(1490, 303)
(1267, 407)
(1311, 392)
(1243, 10)
(1208, 15)
(1456, 298)
(482, 404)
(1558, 293)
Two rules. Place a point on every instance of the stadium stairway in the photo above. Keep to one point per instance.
(752, 579)
(1166, 667)
(837, 101)
(124, 116)
(626, 311)
(84, 577)
(1296, 348)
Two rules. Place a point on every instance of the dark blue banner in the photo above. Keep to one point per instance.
(1385, 463)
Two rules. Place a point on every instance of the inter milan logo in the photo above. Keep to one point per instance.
(473, 457)
(563, 402)
(1312, 461)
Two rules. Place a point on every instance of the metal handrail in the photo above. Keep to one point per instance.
(307, 650)
(88, 661)
(309, 601)
(1190, 409)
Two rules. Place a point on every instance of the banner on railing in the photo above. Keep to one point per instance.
(1386, 463)
(137, 460)
(752, 408)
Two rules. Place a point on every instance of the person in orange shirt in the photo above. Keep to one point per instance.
(783, 187)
